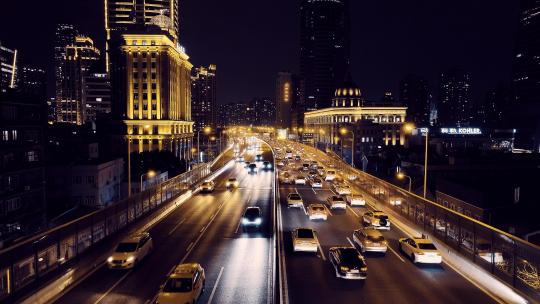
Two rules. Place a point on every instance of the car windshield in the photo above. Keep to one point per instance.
(349, 256)
(252, 213)
(427, 246)
(294, 196)
(178, 285)
(317, 208)
(206, 184)
(375, 238)
(316, 180)
(305, 233)
(337, 199)
(126, 247)
(382, 217)
(252, 166)
(232, 179)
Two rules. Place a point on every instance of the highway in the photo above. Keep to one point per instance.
(205, 229)
(392, 278)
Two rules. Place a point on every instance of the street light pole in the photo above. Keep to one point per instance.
(149, 173)
(426, 163)
(353, 146)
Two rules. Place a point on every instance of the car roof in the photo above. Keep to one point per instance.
(232, 178)
(185, 270)
(135, 238)
(253, 208)
(422, 241)
(317, 205)
(371, 231)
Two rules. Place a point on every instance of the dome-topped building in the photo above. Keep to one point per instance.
(347, 95)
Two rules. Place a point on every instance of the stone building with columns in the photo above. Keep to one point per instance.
(350, 113)
(151, 79)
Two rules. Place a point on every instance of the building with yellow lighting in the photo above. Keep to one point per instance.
(350, 111)
(150, 74)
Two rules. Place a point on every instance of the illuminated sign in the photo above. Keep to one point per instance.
(461, 131)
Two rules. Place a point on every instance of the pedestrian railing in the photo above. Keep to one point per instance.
(26, 262)
(509, 258)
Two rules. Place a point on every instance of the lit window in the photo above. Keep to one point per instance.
(13, 134)
(5, 135)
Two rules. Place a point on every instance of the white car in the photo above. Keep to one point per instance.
(300, 180)
(336, 202)
(304, 240)
(294, 200)
(317, 212)
(131, 251)
(420, 250)
(184, 285)
(342, 189)
(376, 219)
(370, 240)
(315, 182)
(330, 175)
(356, 200)
(208, 186)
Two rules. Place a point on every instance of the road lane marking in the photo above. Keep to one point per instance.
(396, 254)
(176, 227)
(215, 286)
(356, 214)
(112, 287)
(350, 242)
(321, 250)
(189, 247)
(202, 233)
(238, 226)
(313, 191)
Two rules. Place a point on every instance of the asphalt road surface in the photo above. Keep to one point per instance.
(205, 229)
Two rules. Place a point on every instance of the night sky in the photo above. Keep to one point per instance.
(250, 41)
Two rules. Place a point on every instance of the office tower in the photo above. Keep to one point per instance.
(415, 94)
(264, 112)
(490, 111)
(203, 97)
(31, 81)
(284, 99)
(525, 112)
(8, 68)
(78, 60)
(96, 96)
(22, 178)
(65, 35)
(234, 114)
(122, 15)
(527, 63)
(455, 104)
(324, 48)
(151, 76)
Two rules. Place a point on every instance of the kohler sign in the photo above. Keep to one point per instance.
(461, 131)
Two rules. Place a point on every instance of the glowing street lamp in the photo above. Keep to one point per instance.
(148, 174)
(401, 175)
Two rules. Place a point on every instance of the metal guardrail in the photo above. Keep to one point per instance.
(507, 257)
(29, 261)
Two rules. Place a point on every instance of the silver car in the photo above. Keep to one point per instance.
(370, 240)
(317, 212)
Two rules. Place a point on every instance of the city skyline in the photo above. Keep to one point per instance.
(403, 44)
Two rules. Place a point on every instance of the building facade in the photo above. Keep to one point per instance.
(123, 15)
(22, 170)
(324, 48)
(8, 68)
(415, 94)
(347, 111)
(64, 35)
(203, 97)
(263, 112)
(455, 100)
(79, 58)
(96, 96)
(31, 81)
(284, 99)
(151, 77)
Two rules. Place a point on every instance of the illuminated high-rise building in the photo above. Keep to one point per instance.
(284, 99)
(203, 97)
(123, 15)
(31, 81)
(455, 102)
(65, 35)
(151, 80)
(97, 96)
(78, 60)
(8, 68)
(324, 48)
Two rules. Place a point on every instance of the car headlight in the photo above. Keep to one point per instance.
(343, 268)
(245, 221)
(258, 221)
(130, 259)
(227, 184)
(363, 269)
(110, 259)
